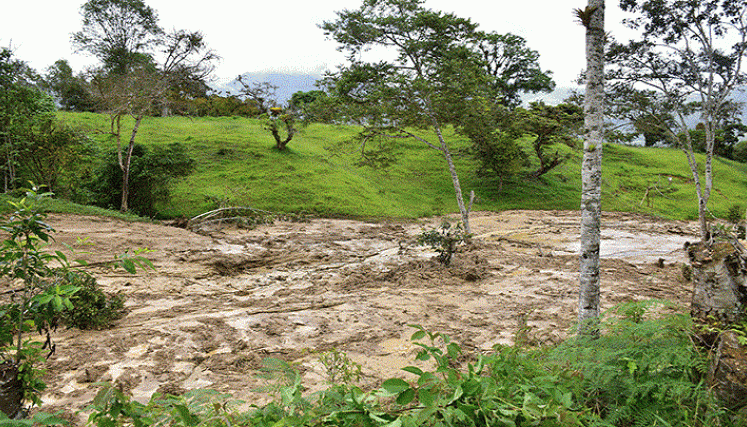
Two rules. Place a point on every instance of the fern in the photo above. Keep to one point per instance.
(643, 368)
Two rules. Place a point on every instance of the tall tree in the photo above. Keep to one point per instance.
(21, 100)
(442, 71)
(689, 58)
(133, 80)
(591, 168)
(513, 67)
(71, 92)
(430, 81)
(120, 33)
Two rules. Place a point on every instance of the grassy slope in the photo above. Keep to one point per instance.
(237, 165)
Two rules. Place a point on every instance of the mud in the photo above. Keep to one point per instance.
(217, 304)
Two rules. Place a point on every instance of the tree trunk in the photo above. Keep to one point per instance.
(125, 165)
(720, 295)
(454, 179)
(591, 170)
(11, 391)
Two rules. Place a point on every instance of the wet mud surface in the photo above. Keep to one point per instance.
(217, 304)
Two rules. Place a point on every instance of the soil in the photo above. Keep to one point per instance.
(220, 302)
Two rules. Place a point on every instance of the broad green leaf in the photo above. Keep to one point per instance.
(413, 370)
(395, 423)
(457, 394)
(128, 265)
(406, 396)
(426, 397)
(395, 385)
(427, 378)
(418, 335)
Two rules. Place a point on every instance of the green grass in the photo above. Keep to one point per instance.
(236, 164)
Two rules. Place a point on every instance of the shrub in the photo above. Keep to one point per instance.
(150, 172)
(92, 308)
(444, 240)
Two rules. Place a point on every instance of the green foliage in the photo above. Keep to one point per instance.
(21, 101)
(45, 286)
(120, 33)
(150, 172)
(194, 408)
(92, 308)
(72, 92)
(340, 368)
(444, 240)
(43, 295)
(735, 213)
(51, 154)
(642, 369)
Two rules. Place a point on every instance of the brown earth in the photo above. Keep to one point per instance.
(217, 304)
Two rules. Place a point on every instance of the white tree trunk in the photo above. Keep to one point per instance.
(591, 169)
(454, 179)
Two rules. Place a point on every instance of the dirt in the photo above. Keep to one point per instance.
(218, 304)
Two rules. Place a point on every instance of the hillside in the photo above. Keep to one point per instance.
(236, 164)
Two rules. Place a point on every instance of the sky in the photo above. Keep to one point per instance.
(283, 36)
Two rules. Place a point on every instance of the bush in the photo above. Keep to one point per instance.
(150, 172)
(92, 308)
(444, 240)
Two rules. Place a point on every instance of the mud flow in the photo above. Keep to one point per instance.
(217, 304)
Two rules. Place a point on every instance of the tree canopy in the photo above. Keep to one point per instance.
(440, 70)
(687, 62)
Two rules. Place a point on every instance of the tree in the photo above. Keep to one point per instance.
(591, 168)
(262, 93)
(549, 125)
(300, 99)
(72, 92)
(493, 133)
(512, 66)
(279, 121)
(132, 81)
(443, 72)
(21, 100)
(48, 152)
(119, 33)
(690, 59)
(151, 170)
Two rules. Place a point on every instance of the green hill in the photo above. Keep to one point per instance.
(236, 164)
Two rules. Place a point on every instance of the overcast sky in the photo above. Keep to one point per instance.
(278, 35)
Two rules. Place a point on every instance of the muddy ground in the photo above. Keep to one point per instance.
(217, 304)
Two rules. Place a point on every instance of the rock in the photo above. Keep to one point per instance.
(718, 275)
(729, 378)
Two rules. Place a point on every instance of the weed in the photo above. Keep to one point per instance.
(340, 368)
(444, 240)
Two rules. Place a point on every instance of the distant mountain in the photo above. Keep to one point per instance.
(287, 84)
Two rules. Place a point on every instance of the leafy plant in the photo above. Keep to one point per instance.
(151, 171)
(735, 214)
(111, 407)
(42, 286)
(39, 295)
(340, 368)
(642, 369)
(92, 308)
(444, 240)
